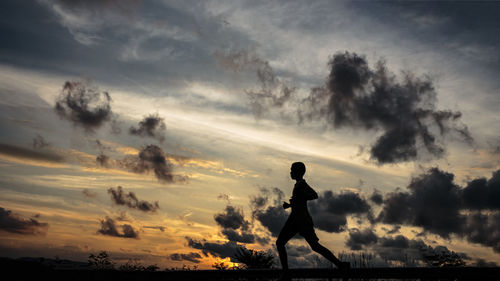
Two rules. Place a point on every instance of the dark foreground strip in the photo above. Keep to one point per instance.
(43, 273)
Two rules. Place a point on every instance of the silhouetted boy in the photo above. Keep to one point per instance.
(301, 222)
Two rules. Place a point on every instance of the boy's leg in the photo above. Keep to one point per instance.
(286, 233)
(320, 249)
(312, 239)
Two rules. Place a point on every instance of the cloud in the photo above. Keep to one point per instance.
(273, 92)
(151, 126)
(84, 105)
(15, 224)
(399, 249)
(241, 236)
(482, 193)
(221, 250)
(109, 228)
(21, 152)
(232, 218)
(403, 109)
(102, 159)
(39, 142)
(359, 238)
(84, 18)
(436, 204)
(330, 210)
(130, 200)
(160, 228)
(273, 218)
(192, 257)
(376, 197)
(234, 225)
(89, 193)
(151, 158)
(483, 229)
(433, 204)
(414, 251)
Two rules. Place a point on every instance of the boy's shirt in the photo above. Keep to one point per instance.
(302, 192)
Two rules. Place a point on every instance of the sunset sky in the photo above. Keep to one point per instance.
(165, 130)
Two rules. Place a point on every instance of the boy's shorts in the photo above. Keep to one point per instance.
(303, 227)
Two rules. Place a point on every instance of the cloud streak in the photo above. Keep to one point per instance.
(21, 152)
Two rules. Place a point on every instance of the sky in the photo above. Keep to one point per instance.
(164, 130)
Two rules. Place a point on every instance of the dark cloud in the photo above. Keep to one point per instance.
(297, 251)
(483, 229)
(192, 257)
(483, 263)
(130, 200)
(437, 205)
(221, 250)
(151, 158)
(403, 109)
(359, 238)
(273, 218)
(39, 142)
(397, 250)
(151, 126)
(84, 105)
(15, 224)
(21, 152)
(231, 218)
(433, 204)
(330, 210)
(273, 92)
(376, 197)
(242, 236)
(234, 225)
(481, 194)
(109, 228)
(258, 202)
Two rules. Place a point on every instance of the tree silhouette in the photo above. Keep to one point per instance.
(253, 258)
(101, 261)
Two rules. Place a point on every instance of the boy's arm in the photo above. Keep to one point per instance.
(310, 194)
(306, 193)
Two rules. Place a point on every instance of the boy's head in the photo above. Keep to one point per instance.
(297, 170)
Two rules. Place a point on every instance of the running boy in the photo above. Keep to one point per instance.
(301, 222)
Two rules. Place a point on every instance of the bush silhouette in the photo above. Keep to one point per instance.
(253, 258)
(101, 261)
